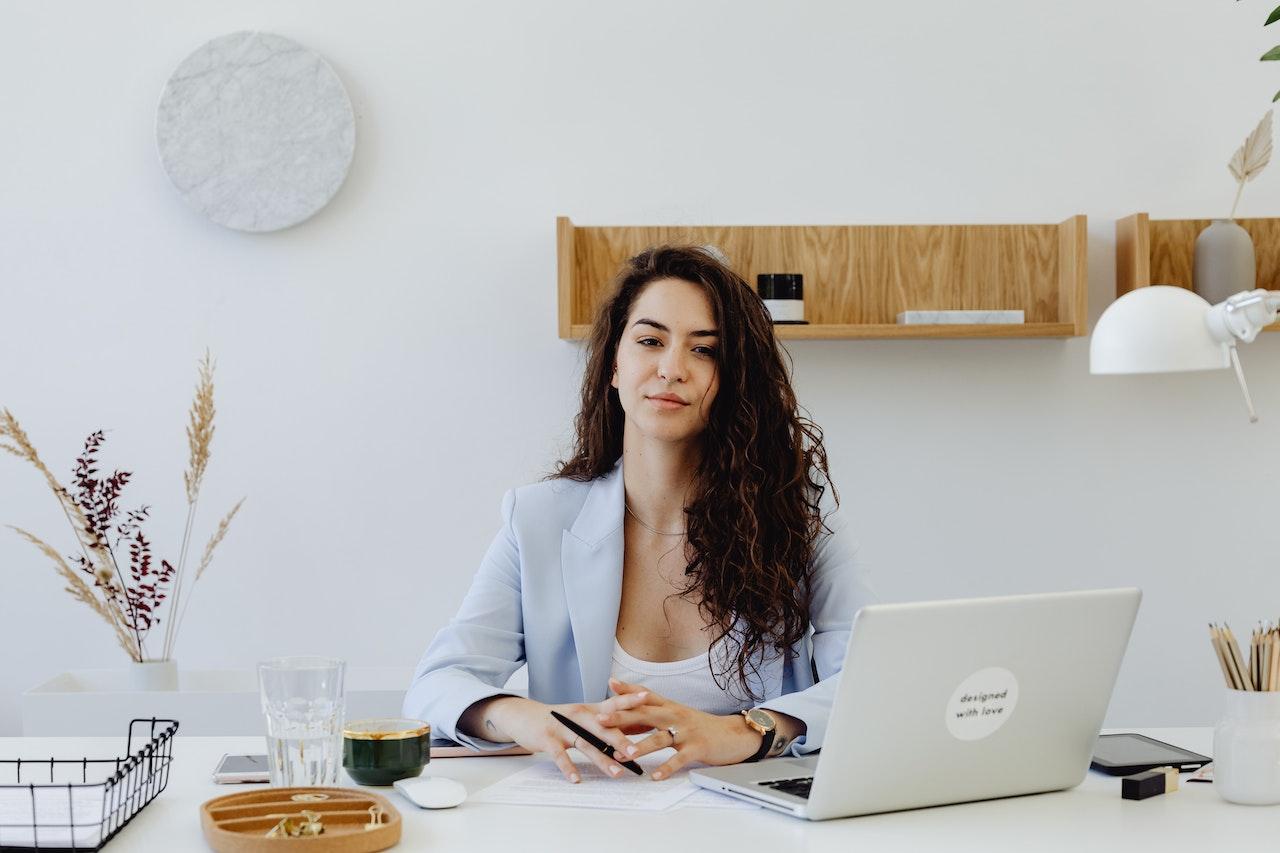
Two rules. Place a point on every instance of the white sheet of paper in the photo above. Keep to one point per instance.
(54, 811)
(705, 798)
(544, 785)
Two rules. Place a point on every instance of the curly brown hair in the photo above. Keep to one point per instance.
(755, 518)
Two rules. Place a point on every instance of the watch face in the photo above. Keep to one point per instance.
(761, 718)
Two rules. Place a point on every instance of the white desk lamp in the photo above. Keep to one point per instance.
(1163, 329)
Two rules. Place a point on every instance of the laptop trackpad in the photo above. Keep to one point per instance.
(806, 765)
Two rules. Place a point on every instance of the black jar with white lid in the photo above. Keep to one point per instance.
(783, 295)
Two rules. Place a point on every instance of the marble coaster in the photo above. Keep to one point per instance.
(255, 131)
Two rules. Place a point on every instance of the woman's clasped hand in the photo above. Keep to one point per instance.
(529, 723)
(695, 735)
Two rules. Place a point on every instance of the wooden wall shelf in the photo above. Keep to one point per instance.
(1162, 251)
(858, 277)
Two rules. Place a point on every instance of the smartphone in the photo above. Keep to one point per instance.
(233, 769)
(1122, 754)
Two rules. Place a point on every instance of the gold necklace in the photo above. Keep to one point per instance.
(647, 527)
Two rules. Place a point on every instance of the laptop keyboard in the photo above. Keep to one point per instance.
(796, 787)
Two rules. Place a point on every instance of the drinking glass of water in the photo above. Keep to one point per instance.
(302, 699)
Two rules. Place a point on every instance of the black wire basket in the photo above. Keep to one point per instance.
(67, 804)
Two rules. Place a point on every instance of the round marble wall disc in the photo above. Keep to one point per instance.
(255, 131)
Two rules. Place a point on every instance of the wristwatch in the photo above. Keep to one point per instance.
(763, 722)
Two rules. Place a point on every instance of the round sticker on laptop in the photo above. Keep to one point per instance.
(982, 703)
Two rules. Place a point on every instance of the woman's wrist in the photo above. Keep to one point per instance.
(486, 719)
(744, 740)
(788, 729)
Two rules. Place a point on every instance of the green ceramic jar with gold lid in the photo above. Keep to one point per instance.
(378, 752)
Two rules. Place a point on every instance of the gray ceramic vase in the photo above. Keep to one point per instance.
(1224, 261)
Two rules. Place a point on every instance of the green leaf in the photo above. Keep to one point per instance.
(1276, 98)
(1273, 17)
(1274, 53)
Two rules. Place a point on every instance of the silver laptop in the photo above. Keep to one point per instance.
(951, 701)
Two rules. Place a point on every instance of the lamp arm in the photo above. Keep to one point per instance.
(1242, 316)
(1244, 387)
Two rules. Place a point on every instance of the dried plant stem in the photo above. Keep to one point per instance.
(199, 439)
(216, 538)
(90, 544)
(68, 506)
(207, 558)
(129, 608)
(82, 591)
(1236, 203)
(171, 630)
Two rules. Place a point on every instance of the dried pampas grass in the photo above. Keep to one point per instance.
(81, 591)
(93, 512)
(200, 430)
(205, 560)
(96, 552)
(199, 440)
(216, 538)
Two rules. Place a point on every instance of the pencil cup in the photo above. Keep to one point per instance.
(1246, 748)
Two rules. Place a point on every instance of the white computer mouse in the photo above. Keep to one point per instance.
(432, 792)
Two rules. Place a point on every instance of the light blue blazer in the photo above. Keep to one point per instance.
(548, 592)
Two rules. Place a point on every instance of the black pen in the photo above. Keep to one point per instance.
(596, 742)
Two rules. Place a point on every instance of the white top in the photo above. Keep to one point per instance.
(689, 682)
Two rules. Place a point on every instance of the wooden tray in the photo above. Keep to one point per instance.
(239, 823)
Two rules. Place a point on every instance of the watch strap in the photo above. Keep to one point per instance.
(765, 745)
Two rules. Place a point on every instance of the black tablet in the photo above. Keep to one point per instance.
(1122, 754)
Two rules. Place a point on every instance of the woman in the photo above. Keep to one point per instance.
(681, 569)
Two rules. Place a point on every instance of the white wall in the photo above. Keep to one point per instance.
(388, 369)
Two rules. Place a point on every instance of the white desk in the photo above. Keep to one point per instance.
(1090, 818)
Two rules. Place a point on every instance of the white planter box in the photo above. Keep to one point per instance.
(100, 702)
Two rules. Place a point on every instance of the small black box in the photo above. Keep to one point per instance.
(1149, 784)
